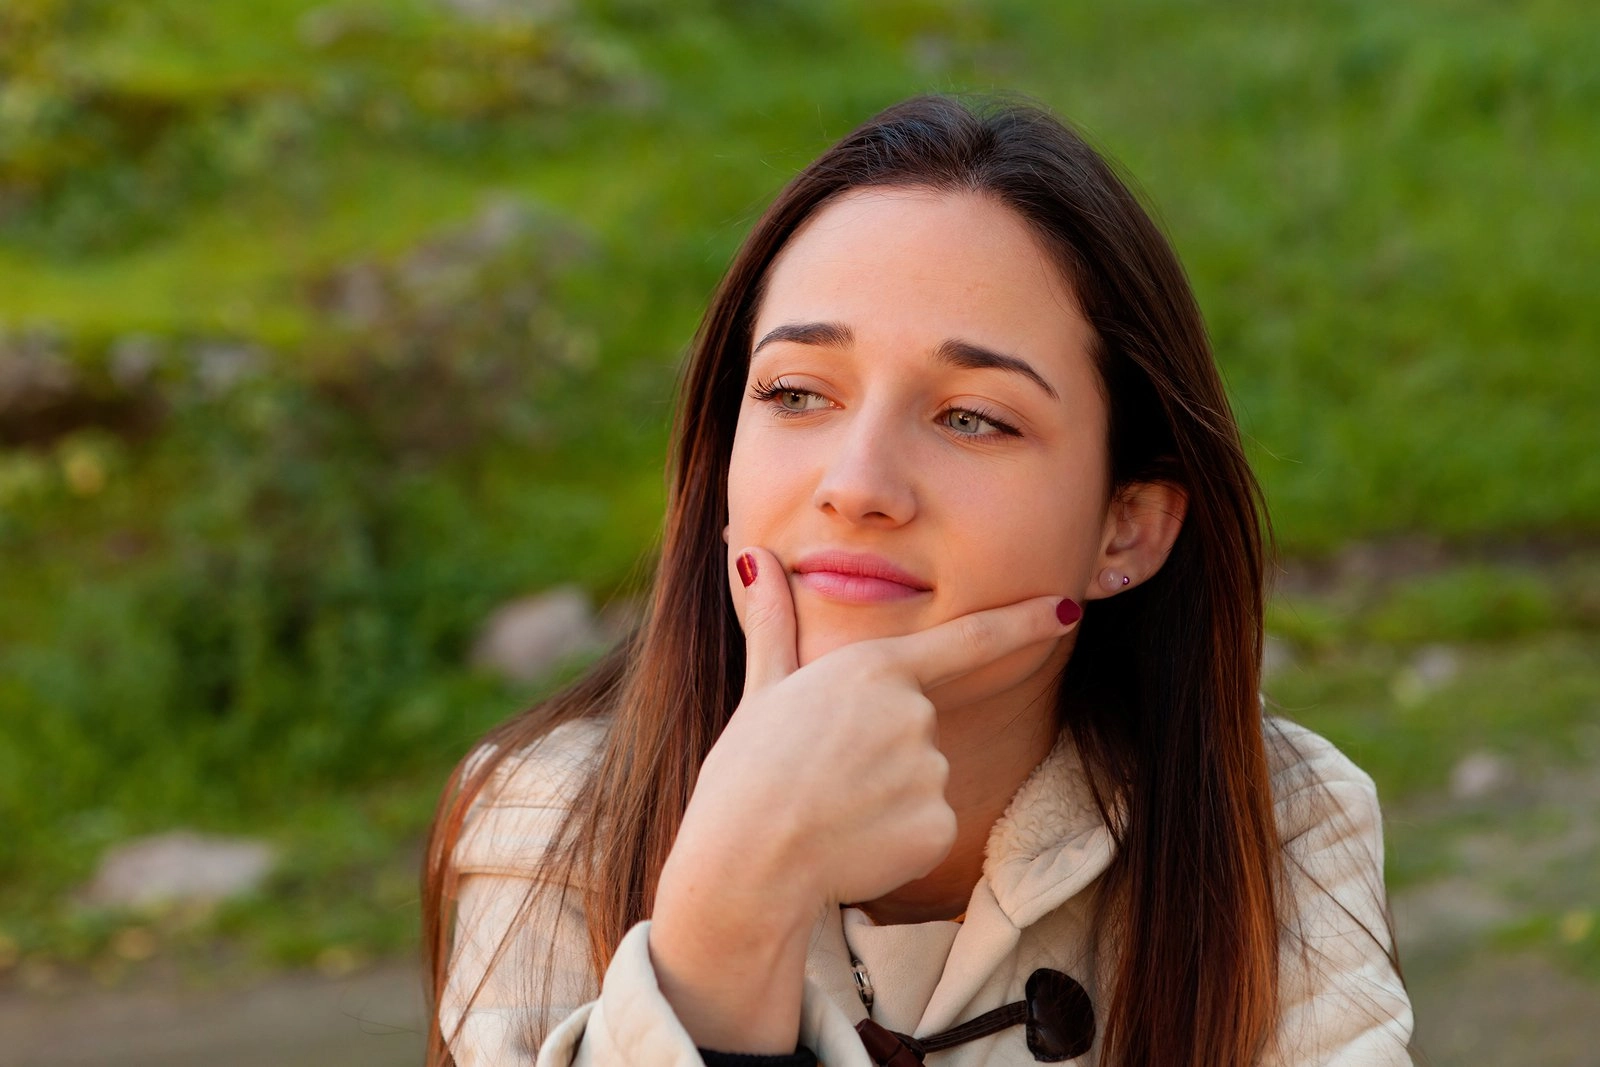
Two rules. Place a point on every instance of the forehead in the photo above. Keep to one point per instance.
(914, 266)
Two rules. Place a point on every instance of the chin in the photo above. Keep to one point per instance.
(816, 639)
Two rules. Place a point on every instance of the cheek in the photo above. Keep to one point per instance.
(760, 494)
(758, 485)
(1021, 544)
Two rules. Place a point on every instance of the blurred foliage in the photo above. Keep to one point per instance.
(327, 327)
(118, 118)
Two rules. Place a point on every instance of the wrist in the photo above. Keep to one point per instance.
(729, 949)
(723, 908)
(734, 984)
(748, 884)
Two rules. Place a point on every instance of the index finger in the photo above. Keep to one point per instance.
(945, 652)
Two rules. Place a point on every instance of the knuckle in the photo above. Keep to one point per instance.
(761, 613)
(914, 718)
(935, 833)
(976, 632)
(862, 661)
(852, 656)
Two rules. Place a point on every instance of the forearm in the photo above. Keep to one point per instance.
(730, 961)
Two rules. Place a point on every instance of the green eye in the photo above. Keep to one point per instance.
(967, 422)
(975, 424)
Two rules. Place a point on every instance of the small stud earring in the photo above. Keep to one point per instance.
(1114, 581)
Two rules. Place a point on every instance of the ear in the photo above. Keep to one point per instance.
(1141, 524)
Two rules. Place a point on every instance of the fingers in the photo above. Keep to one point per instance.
(945, 652)
(769, 626)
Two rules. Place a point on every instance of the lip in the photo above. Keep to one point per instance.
(857, 577)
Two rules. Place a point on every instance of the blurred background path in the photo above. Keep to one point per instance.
(370, 1020)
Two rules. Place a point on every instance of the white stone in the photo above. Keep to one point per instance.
(1478, 775)
(134, 358)
(1436, 666)
(32, 376)
(500, 221)
(527, 637)
(179, 867)
(220, 366)
(1277, 656)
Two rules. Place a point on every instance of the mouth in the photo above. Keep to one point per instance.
(857, 578)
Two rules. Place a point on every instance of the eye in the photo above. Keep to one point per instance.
(969, 423)
(787, 400)
(796, 399)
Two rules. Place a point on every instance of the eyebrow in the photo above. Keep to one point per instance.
(952, 351)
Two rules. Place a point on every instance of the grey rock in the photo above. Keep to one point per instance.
(1430, 670)
(522, 640)
(502, 220)
(134, 358)
(221, 366)
(1436, 666)
(1277, 656)
(1478, 775)
(179, 867)
(33, 374)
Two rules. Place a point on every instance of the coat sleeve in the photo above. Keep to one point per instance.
(519, 955)
(520, 990)
(1343, 1003)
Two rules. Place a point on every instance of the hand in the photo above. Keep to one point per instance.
(827, 785)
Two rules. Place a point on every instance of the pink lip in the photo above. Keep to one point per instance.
(857, 577)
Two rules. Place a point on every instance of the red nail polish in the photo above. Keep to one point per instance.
(1067, 611)
(746, 563)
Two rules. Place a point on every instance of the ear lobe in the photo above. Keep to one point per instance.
(1141, 527)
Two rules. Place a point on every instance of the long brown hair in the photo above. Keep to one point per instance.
(1161, 693)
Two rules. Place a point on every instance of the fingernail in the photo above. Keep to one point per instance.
(747, 569)
(1067, 611)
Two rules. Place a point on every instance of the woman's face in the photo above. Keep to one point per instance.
(920, 396)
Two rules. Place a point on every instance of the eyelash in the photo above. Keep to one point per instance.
(768, 391)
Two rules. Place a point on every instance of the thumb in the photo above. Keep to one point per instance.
(769, 627)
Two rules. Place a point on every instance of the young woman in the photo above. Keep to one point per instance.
(942, 735)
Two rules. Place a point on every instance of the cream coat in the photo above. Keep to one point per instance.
(1343, 1003)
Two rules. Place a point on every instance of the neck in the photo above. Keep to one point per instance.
(992, 746)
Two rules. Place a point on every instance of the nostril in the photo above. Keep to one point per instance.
(876, 501)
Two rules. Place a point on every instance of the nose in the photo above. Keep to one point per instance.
(868, 479)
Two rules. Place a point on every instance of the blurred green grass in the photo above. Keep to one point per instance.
(370, 314)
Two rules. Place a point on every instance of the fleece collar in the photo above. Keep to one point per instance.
(1048, 846)
(1050, 843)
